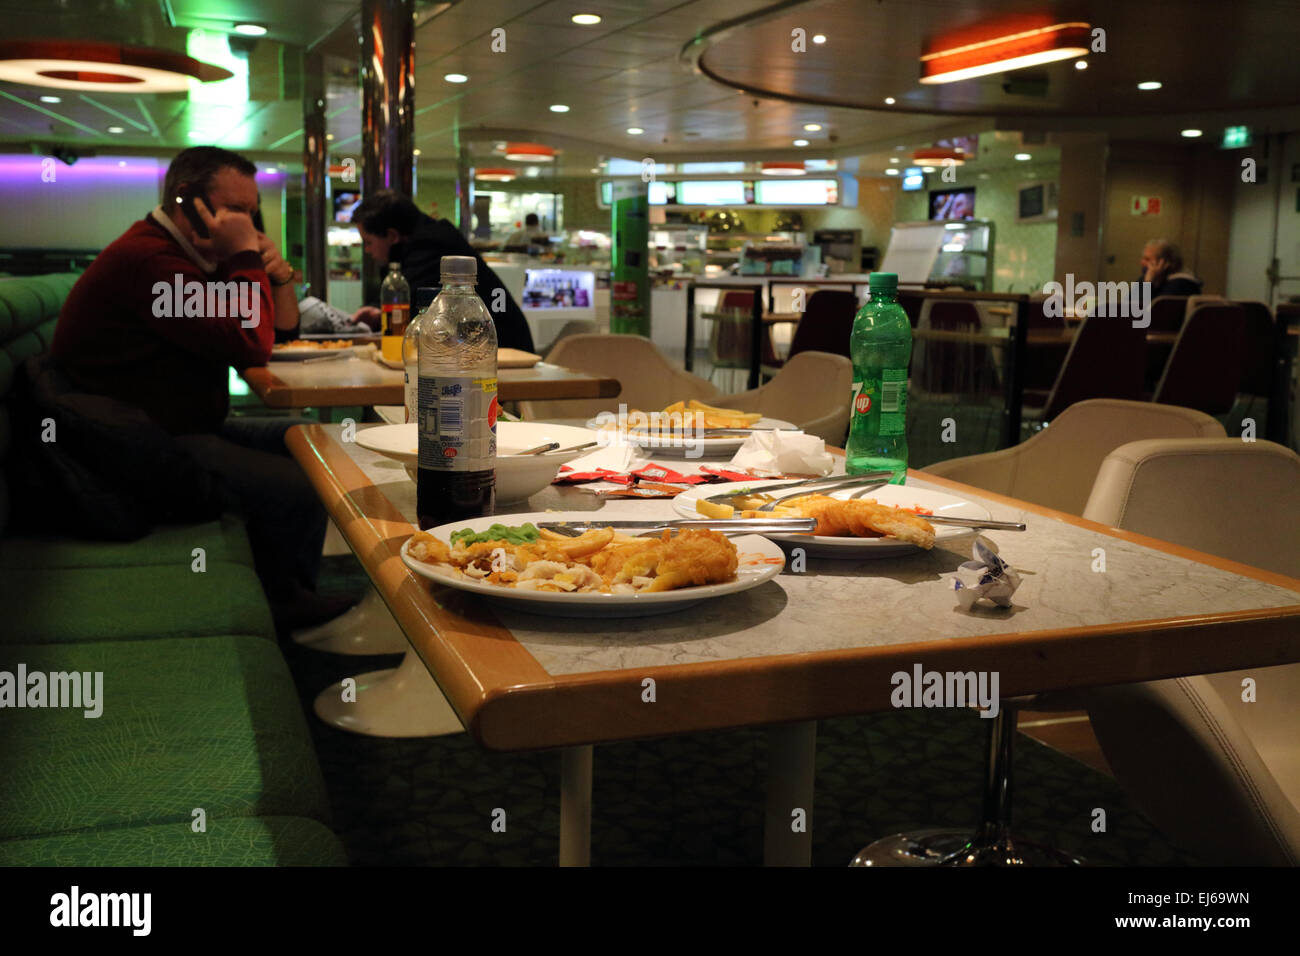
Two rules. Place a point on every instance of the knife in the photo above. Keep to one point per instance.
(725, 525)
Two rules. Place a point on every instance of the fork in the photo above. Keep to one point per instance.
(771, 505)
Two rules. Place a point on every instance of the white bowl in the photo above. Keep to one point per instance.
(518, 476)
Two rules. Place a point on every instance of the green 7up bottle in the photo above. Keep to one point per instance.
(881, 347)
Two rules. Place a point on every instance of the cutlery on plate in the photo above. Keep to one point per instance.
(834, 481)
(771, 505)
(590, 444)
(725, 525)
(975, 522)
(547, 446)
(329, 358)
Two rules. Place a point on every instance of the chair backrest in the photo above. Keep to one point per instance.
(1257, 370)
(1057, 466)
(736, 300)
(1106, 360)
(812, 390)
(827, 323)
(649, 381)
(1206, 365)
(1214, 772)
(1038, 314)
(1168, 312)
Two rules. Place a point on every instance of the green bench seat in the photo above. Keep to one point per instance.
(221, 540)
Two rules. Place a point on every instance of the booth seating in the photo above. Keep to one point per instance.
(201, 754)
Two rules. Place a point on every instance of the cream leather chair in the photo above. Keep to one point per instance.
(812, 390)
(649, 380)
(1056, 467)
(1220, 776)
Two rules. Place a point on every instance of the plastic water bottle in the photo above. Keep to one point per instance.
(411, 352)
(881, 348)
(395, 306)
(456, 401)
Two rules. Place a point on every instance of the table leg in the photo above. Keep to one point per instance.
(575, 806)
(791, 755)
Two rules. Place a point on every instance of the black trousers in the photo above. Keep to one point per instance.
(285, 518)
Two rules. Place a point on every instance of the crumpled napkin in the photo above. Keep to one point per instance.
(616, 456)
(784, 453)
(987, 577)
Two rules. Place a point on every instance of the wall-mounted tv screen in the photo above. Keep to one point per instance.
(913, 179)
(344, 204)
(952, 203)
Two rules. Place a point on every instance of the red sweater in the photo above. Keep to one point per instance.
(119, 334)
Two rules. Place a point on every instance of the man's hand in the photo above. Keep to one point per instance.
(279, 271)
(368, 314)
(229, 232)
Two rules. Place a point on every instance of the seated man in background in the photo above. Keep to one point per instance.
(157, 321)
(1162, 266)
(531, 235)
(394, 230)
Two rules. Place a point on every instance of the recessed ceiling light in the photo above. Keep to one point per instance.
(819, 38)
(812, 127)
(585, 19)
(893, 159)
(635, 131)
(455, 77)
(1023, 156)
(889, 101)
(1147, 85)
(250, 29)
(415, 152)
(329, 135)
(1080, 64)
(116, 129)
(984, 175)
(51, 99)
(801, 142)
(927, 169)
(559, 108)
(1191, 133)
(595, 169)
(891, 171)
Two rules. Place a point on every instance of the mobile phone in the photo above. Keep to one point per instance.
(186, 200)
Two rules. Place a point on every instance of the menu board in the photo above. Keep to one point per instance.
(711, 192)
(796, 192)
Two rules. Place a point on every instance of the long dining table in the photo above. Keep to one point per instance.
(820, 640)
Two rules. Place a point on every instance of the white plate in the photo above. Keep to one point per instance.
(760, 560)
(718, 446)
(302, 354)
(518, 476)
(900, 496)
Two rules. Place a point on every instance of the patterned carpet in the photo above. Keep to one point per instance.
(696, 800)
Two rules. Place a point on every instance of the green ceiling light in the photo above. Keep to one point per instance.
(250, 29)
(214, 48)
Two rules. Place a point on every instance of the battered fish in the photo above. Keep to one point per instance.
(673, 561)
(863, 518)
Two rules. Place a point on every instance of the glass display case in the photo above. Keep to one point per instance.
(942, 252)
(679, 247)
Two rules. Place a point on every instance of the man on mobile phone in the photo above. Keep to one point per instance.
(158, 320)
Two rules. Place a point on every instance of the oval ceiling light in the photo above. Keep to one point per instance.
(51, 99)
(495, 175)
(559, 108)
(938, 154)
(890, 101)
(893, 159)
(1022, 157)
(891, 171)
(1146, 86)
(1080, 64)
(927, 169)
(415, 152)
(250, 29)
(812, 127)
(1191, 133)
(585, 19)
(102, 67)
(635, 131)
(801, 142)
(121, 129)
(529, 153)
(1002, 54)
(819, 38)
(455, 77)
(783, 169)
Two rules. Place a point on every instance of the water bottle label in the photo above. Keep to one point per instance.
(457, 423)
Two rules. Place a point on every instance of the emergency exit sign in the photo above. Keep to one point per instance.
(1234, 137)
(1145, 206)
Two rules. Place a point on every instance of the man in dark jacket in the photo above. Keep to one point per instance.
(394, 230)
(1162, 266)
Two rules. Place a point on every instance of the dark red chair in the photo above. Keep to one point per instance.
(1105, 360)
(827, 323)
(952, 368)
(1257, 371)
(1167, 314)
(1208, 359)
(1043, 363)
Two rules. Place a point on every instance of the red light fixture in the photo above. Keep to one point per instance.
(495, 175)
(529, 153)
(784, 169)
(964, 58)
(103, 67)
(938, 156)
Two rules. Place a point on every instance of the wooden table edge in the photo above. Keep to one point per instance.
(529, 708)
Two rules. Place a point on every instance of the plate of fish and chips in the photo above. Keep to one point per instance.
(688, 426)
(887, 521)
(603, 572)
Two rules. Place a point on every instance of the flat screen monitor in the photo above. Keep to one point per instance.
(345, 202)
(952, 203)
(913, 179)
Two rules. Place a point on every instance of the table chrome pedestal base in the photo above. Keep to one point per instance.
(399, 702)
(959, 848)
(368, 628)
